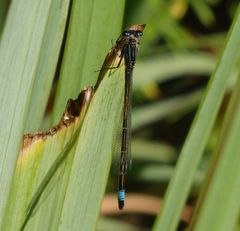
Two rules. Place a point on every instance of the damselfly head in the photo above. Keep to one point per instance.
(134, 31)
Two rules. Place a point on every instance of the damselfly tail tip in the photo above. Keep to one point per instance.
(120, 205)
(121, 198)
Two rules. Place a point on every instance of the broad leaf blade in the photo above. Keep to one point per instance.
(42, 171)
(20, 49)
(57, 182)
(93, 156)
(88, 40)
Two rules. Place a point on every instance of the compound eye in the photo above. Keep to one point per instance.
(126, 33)
(139, 33)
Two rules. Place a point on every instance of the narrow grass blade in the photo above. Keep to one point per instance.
(203, 11)
(47, 62)
(224, 179)
(88, 40)
(198, 136)
(162, 174)
(159, 110)
(156, 151)
(93, 156)
(165, 67)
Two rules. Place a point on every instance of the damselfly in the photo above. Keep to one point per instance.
(126, 48)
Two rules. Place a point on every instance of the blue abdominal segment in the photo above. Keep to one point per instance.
(121, 198)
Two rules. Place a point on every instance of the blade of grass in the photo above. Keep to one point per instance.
(91, 164)
(89, 37)
(199, 133)
(156, 152)
(159, 110)
(161, 174)
(42, 171)
(223, 182)
(165, 67)
(203, 11)
(47, 62)
(20, 49)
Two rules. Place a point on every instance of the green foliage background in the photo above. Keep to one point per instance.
(185, 115)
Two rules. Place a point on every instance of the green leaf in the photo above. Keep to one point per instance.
(93, 155)
(28, 61)
(42, 171)
(47, 62)
(4, 4)
(59, 182)
(159, 110)
(203, 11)
(223, 182)
(20, 49)
(165, 67)
(199, 133)
(162, 173)
(90, 32)
(155, 151)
